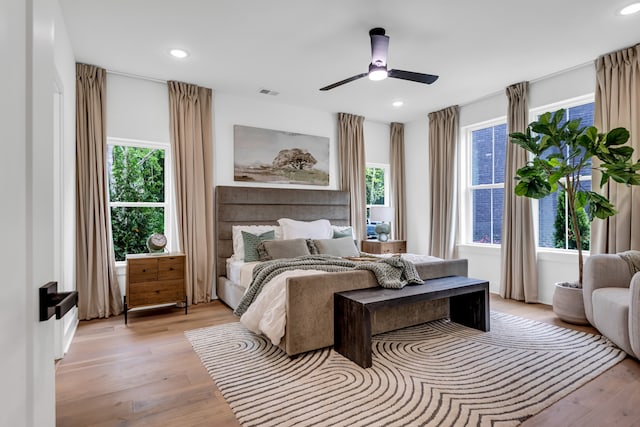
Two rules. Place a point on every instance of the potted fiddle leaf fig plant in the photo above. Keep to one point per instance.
(561, 154)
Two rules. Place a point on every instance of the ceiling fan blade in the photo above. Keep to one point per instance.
(414, 77)
(379, 47)
(341, 82)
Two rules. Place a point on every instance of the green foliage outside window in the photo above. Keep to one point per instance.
(559, 234)
(374, 186)
(136, 175)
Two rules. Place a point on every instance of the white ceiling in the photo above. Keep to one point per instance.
(295, 47)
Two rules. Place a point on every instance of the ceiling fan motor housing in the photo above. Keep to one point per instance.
(378, 66)
(379, 47)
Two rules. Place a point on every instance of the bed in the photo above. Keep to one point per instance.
(309, 299)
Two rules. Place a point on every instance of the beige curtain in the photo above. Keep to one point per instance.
(618, 104)
(519, 275)
(398, 181)
(443, 137)
(96, 281)
(352, 168)
(192, 146)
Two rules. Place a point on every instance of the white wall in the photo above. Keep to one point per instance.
(229, 110)
(377, 136)
(416, 152)
(16, 334)
(572, 83)
(484, 262)
(232, 110)
(137, 109)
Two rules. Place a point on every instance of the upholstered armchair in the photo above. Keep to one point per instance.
(612, 300)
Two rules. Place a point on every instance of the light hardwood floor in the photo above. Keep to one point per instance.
(146, 374)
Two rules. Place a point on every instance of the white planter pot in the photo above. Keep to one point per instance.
(568, 304)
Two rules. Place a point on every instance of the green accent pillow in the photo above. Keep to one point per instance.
(251, 242)
(347, 232)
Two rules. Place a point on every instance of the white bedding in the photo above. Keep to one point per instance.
(240, 272)
(414, 258)
(267, 314)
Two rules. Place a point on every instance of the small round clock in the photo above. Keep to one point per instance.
(156, 243)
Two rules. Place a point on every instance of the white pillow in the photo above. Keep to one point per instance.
(238, 241)
(292, 229)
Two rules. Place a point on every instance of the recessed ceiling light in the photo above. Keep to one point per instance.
(631, 9)
(178, 53)
(397, 104)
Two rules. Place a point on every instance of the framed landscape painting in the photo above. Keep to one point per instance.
(277, 157)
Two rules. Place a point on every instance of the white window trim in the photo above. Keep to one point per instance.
(466, 200)
(386, 168)
(533, 115)
(567, 103)
(168, 203)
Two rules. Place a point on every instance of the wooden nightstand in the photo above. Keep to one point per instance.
(155, 279)
(388, 247)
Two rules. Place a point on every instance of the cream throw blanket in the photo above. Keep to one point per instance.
(632, 259)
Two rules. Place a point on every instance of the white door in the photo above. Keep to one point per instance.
(27, 393)
(63, 212)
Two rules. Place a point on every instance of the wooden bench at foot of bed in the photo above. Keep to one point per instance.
(468, 301)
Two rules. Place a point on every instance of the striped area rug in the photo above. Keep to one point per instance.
(436, 374)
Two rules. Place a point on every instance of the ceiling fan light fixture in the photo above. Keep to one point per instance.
(630, 9)
(377, 73)
(178, 53)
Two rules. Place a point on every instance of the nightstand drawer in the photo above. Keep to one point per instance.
(390, 247)
(149, 293)
(394, 247)
(170, 268)
(143, 270)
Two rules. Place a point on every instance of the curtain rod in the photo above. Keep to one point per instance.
(136, 76)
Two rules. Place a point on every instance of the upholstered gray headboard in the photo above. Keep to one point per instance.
(257, 205)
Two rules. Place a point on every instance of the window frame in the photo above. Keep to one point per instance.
(466, 176)
(534, 113)
(167, 205)
(387, 174)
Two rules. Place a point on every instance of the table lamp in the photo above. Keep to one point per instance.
(383, 216)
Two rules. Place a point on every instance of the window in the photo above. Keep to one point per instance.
(137, 193)
(484, 181)
(376, 179)
(554, 230)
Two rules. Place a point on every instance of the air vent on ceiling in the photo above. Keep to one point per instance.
(268, 92)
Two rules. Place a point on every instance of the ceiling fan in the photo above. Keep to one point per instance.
(378, 67)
